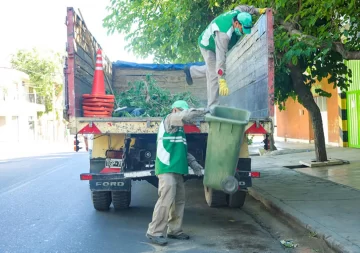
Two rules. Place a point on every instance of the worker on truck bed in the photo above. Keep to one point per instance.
(172, 161)
(219, 37)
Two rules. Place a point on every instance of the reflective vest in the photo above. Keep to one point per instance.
(171, 152)
(222, 23)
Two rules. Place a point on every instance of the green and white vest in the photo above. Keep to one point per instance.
(222, 23)
(171, 152)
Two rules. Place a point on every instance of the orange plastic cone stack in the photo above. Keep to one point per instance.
(98, 104)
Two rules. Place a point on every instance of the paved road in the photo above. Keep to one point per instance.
(44, 207)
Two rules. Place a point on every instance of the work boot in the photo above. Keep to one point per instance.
(188, 75)
(159, 240)
(181, 236)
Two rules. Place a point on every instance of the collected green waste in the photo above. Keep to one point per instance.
(149, 100)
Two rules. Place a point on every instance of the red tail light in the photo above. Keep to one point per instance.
(255, 174)
(85, 177)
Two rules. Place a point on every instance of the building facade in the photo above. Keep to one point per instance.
(19, 105)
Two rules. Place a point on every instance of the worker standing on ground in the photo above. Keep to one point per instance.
(219, 37)
(88, 139)
(172, 161)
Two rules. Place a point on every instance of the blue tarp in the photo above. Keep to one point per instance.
(152, 66)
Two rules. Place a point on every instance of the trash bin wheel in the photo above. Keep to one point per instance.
(214, 198)
(236, 200)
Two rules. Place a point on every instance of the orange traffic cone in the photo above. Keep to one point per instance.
(98, 104)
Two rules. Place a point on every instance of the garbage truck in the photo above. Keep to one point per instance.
(124, 148)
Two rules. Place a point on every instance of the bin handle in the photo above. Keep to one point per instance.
(209, 118)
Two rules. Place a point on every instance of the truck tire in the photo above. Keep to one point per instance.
(214, 198)
(121, 199)
(101, 200)
(236, 200)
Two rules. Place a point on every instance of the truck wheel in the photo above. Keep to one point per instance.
(214, 198)
(236, 200)
(121, 199)
(101, 200)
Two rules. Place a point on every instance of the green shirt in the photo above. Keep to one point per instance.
(222, 23)
(171, 152)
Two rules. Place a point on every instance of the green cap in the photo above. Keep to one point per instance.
(245, 20)
(180, 104)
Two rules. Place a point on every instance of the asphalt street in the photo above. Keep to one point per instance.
(44, 207)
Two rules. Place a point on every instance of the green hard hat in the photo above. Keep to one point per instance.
(245, 20)
(180, 104)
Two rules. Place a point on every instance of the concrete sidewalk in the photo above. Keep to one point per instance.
(318, 199)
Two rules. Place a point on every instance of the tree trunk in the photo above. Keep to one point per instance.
(272, 140)
(308, 101)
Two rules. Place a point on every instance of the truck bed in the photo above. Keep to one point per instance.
(251, 84)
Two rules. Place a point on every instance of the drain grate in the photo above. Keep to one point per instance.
(296, 166)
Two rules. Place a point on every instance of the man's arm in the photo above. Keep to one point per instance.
(194, 164)
(250, 9)
(86, 142)
(180, 118)
(222, 45)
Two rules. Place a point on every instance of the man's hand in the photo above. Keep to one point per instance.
(262, 10)
(196, 168)
(211, 110)
(223, 88)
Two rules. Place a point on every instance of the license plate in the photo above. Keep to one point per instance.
(114, 163)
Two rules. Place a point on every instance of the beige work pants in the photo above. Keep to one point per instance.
(198, 72)
(169, 209)
(211, 77)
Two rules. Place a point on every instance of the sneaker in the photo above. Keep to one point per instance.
(181, 236)
(188, 75)
(159, 240)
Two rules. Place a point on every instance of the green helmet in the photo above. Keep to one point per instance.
(245, 20)
(180, 104)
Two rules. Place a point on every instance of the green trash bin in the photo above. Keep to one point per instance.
(226, 131)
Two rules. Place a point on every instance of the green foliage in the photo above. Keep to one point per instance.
(155, 100)
(250, 139)
(169, 30)
(44, 71)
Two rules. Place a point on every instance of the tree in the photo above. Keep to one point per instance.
(168, 30)
(312, 40)
(44, 72)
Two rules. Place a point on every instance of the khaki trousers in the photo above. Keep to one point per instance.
(211, 77)
(198, 72)
(169, 209)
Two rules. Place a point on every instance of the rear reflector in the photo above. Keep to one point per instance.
(85, 177)
(110, 170)
(255, 174)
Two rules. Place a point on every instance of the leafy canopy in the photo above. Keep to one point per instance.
(44, 71)
(313, 35)
(166, 29)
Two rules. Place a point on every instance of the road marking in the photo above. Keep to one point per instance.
(23, 183)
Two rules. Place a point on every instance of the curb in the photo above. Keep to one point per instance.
(337, 243)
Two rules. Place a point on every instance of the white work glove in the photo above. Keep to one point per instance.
(196, 168)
